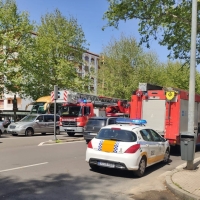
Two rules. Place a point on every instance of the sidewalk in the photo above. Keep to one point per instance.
(185, 183)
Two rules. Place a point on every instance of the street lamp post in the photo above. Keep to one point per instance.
(191, 106)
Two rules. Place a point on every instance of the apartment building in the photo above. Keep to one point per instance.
(90, 65)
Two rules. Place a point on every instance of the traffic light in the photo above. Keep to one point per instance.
(56, 92)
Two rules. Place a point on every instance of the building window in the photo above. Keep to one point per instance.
(86, 68)
(9, 101)
(92, 61)
(86, 60)
(1, 103)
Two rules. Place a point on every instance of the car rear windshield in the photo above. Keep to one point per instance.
(118, 135)
(96, 122)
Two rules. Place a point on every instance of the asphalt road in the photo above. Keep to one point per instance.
(59, 171)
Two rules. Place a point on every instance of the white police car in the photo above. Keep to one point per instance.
(127, 145)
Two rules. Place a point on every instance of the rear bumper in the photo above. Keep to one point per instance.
(129, 161)
(88, 135)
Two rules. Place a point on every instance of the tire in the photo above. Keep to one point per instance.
(87, 141)
(57, 131)
(142, 166)
(0, 133)
(43, 133)
(93, 167)
(166, 156)
(29, 132)
(70, 134)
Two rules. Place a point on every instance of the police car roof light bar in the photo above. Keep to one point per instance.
(131, 121)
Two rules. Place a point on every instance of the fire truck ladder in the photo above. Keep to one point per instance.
(96, 100)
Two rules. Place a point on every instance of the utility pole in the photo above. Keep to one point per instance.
(55, 98)
(191, 104)
(15, 107)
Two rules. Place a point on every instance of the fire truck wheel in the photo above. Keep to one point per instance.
(166, 156)
(70, 134)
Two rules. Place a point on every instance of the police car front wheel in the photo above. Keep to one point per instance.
(142, 167)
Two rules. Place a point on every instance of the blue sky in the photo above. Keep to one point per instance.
(89, 15)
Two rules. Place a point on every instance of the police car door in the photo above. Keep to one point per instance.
(160, 144)
(152, 146)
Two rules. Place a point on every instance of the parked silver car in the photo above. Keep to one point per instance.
(34, 123)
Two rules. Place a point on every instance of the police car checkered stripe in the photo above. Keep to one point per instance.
(116, 147)
(100, 145)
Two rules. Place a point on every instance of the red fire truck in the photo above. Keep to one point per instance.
(74, 113)
(165, 109)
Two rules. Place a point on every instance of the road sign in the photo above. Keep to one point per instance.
(52, 96)
(65, 96)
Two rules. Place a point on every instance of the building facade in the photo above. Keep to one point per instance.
(90, 65)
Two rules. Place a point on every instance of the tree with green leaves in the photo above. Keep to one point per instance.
(15, 31)
(168, 21)
(52, 55)
(124, 65)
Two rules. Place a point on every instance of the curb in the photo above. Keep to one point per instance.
(177, 190)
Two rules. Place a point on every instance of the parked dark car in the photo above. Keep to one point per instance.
(94, 125)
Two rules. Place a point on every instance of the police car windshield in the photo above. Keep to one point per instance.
(118, 135)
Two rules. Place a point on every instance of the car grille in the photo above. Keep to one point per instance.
(69, 123)
(12, 127)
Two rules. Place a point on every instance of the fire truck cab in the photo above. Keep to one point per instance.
(79, 107)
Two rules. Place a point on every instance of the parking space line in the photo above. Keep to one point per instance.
(6, 170)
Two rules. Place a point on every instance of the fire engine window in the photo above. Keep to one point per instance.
(86, 110)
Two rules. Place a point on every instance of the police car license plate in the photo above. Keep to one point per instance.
(104, 164)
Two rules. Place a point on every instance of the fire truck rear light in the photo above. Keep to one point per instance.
(133, 148)
(90, 145)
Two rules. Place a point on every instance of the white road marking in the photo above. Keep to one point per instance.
(43, 143)
(6, 170)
